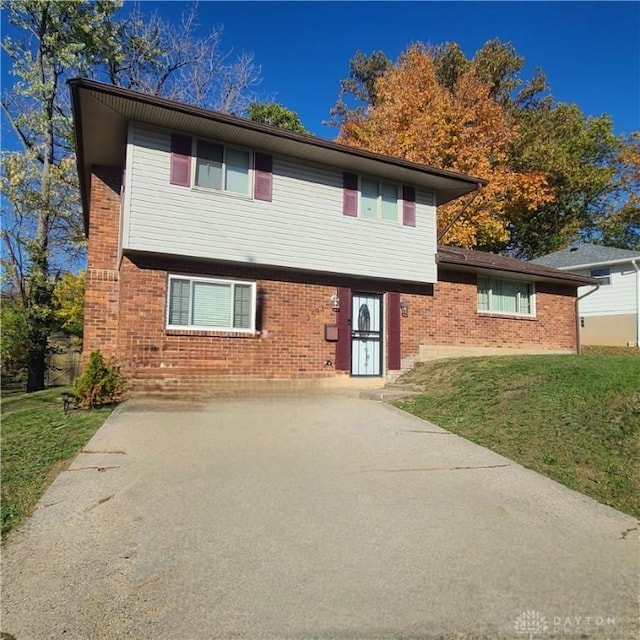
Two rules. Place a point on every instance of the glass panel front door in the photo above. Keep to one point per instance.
(366, 334)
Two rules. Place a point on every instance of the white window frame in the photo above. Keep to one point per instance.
(604, 278)
(490, 311)
(192, 327)
(225, 146)
(380, 182)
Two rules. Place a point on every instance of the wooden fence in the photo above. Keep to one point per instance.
(63, 362)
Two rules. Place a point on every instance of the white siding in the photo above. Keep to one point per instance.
(302, 228)
(618, 297)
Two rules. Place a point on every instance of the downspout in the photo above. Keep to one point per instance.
(472, 196)
(637, 268)
(584, 295)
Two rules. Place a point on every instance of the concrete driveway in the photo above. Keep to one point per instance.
(316, 517)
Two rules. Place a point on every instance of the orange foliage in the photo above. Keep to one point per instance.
(465, 130)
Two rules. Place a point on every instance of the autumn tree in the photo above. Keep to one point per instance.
(496, 64)
(48, 42)
(358, 90)
(620, 225)
(578, 155)
(462, 128)
(578, 161)
(68, 303)
(276, 115)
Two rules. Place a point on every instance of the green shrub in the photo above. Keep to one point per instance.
(14, 346)
(100, 383)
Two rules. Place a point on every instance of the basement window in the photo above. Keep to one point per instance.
(211, 305)
(506, 297)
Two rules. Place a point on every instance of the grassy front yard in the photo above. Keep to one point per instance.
(575, 419)
(38, 441)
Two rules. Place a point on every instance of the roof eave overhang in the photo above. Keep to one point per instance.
(102, 112)
(80, 158)
(601, 263)
(469, 267)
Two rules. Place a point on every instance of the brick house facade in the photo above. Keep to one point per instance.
(293, 336)
(450, 318)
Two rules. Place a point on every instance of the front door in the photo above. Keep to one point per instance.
(366, 334)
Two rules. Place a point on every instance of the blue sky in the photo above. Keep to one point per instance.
(590, 51)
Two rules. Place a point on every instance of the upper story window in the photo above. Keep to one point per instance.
(508, 297)
(222, 167)
(602, 275)
(208, 304)
(378, 200)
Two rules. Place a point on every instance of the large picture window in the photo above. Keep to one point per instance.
(223, 168)
(203, 303)
(509, 297)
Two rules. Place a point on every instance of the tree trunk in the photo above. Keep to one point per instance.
(36, 366)
(39, 311)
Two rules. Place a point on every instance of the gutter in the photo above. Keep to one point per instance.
(637, 268)
(566, 278)
(584, 295)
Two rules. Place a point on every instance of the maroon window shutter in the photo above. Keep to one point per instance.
(393, 331)
(350, 195)
(408, 206)
(180, 160)
(343, 346)
(263, 188)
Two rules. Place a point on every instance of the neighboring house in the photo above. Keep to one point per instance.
(229, 254)
(609, 315)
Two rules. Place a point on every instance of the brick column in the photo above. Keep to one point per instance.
(102, 285)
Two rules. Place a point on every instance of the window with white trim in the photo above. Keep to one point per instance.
(378, 200)
(222, 167)
(602, 275)
(208, 304)
(508, 297)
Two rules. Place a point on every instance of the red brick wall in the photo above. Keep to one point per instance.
(101, 305)
(450, 318)
(290, 342)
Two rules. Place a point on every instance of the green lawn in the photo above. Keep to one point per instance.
(38, 440)
(575, 418)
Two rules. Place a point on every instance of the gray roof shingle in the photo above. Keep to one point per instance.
(585, 254)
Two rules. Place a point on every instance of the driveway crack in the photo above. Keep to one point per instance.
(483, 466)
(108, 451)
(438, 433)
(96, 468)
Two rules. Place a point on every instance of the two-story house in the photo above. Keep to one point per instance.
(609, 315)
(223, 254)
